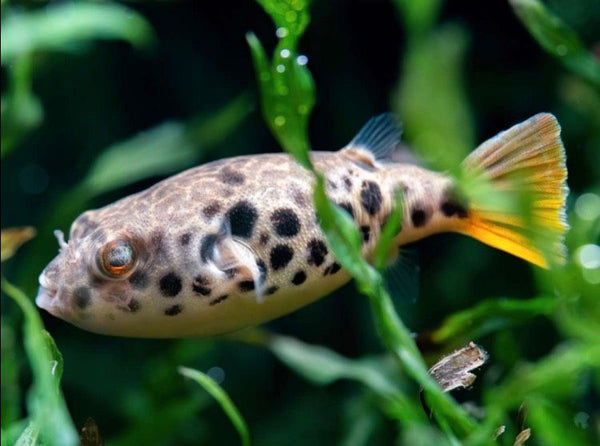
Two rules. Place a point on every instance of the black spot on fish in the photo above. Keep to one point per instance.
(82, 297)
(419, 217)
(347, 207)
(173, 310)
(332, 184)
(138, 280)
(347, 183)
(370, 197)
(366, 233)
(218, 300)
(264, 238)
(286, 222)
(207, 247)
(455, 203)
(170, 285)
(200, 285)
(299, 278)
(317, 250)
(300, 198)
(332, 269)
(231, 176)
(184, 239)
(246, 285)
(242, 218)
(133, 306)
(452, 208)
(271, 290)
(212, 209)
(281, 255)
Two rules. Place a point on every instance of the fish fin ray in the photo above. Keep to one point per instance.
(402, 277)
(527, 160)
(380, 136)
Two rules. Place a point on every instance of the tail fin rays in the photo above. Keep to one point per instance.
(528, 158)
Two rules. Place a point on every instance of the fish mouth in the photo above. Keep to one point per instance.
(47, 296)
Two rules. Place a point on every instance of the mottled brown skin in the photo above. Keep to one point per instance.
(179, 288)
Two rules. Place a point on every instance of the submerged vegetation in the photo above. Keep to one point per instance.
(352, 369)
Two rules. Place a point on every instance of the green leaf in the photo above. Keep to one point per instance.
(29, 437)
(489, 316)
(551, 423)
(22, 111)
(419, 17)
(11, 392)
(222, 398)
(59, 27)
(291, 17)
(11, 433)
(45, 402)
(431, 98)
(390, 230)
(286, 85)
(342, 235)
(163, 149)
(557, 39)
(555, 377)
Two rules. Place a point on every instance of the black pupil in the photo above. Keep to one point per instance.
(120, 255)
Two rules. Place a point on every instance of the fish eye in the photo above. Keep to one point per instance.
(117, 258)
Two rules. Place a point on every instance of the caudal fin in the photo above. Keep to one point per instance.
(524, 211)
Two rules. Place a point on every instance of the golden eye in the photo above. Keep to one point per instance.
(117, 258)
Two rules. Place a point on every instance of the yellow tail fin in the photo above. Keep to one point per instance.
(523, 166)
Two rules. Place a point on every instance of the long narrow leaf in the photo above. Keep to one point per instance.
(222, 398)
(45, 402)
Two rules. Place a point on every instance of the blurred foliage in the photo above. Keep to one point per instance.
(211, 386)
(114, 120)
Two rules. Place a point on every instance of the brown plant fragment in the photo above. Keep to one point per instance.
(90, 434)
(13, 238)
(522, 437)
(454, 370)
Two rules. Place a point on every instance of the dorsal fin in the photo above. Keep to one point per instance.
(380, 136)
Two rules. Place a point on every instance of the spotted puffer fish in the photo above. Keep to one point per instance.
(237, 242)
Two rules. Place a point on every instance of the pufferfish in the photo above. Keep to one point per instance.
(237, 242)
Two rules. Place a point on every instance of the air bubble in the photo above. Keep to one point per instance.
(281, 32)
(217, 374)
(302, 109)
(589, 256)
(285, 53)
(561, 50)
(280, 68)
(587, 207)
(279, 121)
(302, 60)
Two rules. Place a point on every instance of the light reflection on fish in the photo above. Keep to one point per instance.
(236, 242)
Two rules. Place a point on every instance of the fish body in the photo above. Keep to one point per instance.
(237, 242)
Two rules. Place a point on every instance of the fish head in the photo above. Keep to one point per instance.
(100, 273)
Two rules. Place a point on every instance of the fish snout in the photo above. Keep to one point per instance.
(48, 297)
